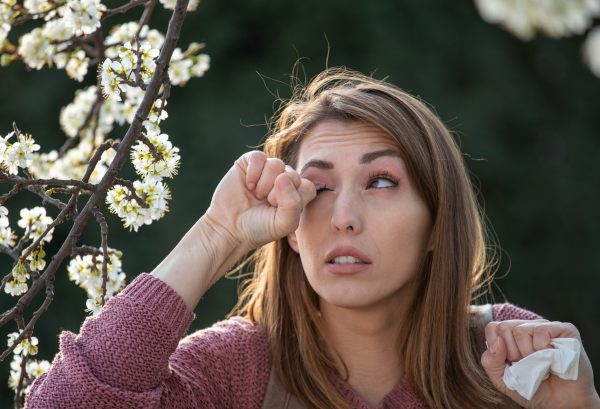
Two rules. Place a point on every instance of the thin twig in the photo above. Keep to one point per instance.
(155, 154)
(106, 145)
(145, 19)
(104, 240)
(122, 9)
(132, 193)
(47, 182)
(94, 110)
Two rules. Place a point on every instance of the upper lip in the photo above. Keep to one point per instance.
(347, 251)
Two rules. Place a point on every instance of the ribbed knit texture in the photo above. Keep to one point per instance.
(129, 356)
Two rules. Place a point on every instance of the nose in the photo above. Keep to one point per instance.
(346, 213)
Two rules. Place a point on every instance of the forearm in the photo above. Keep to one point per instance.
(203, 255)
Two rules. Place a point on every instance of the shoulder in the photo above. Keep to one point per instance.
(507, 311)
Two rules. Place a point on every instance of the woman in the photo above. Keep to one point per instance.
(370, 252)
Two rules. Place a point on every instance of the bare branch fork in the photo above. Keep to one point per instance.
(98, 191)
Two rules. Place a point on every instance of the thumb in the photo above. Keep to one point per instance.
(493, 361)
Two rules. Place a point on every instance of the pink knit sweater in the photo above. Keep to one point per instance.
(130, 356)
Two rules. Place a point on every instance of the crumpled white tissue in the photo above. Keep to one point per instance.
(526, 375)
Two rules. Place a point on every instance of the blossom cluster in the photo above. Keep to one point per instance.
(50, 43)
(18, 154)
(154, 193)
(33, 368)
(554, 18)
(123, 75)
(35, 222)
(135, 65)
(86, 272)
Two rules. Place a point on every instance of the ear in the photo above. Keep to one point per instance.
(293, 241)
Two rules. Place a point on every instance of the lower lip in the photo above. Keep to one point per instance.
(346, 268)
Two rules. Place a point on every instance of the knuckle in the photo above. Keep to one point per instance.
(520, 331)
(571, 328)
(540, 331)
(505, 328)
(490, 329)
(276, 164)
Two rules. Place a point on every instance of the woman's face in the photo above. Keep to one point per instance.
(364, 236)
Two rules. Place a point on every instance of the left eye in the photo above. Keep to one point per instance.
(382, 182)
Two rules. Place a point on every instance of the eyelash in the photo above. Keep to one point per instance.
(372, 177)
(383, 175)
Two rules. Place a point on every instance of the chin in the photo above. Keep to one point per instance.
(351, 298)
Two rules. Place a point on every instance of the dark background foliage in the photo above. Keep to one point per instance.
(524, 113)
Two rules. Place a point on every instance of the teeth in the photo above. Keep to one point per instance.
(345, 260)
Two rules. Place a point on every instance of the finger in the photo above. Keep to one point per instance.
(256, 162)
(493, 361)
(307, 191)
(273, 167)
(295, 178)
(544, 332)
(504, 331)
(523, 336)
(289, 205)
(294, 175)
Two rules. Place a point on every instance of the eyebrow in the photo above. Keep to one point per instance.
(364, 159)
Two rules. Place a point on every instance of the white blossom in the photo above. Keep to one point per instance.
(36, 221)
(179, 68)
(27, 346)
(36, 259)
(591, 51)
(18, 154)
(37, 6)
(33, 369)
(18, 284)
(35, 49)
(147, 166)
(6, 16)
(170, 4)
(77, 65)
(7, 236)
(201, 65)
(123, 33)
(83, 16)
(153, 192)
(86, 272)
(133, 59)
(555, 18)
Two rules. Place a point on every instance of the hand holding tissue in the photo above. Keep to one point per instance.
(526, 375)
(540, 364)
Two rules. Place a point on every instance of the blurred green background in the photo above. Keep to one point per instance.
(525, 114)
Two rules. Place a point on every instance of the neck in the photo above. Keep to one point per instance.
(366, 341)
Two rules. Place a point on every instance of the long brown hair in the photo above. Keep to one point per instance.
(436, 344)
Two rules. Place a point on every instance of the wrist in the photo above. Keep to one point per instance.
(200, 258)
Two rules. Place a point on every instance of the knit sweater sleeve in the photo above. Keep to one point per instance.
(128, 357)
(506, 311)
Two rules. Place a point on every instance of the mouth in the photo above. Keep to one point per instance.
(346, 260)
(346, 255)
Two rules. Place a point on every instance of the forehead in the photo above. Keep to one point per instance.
(337, 137)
